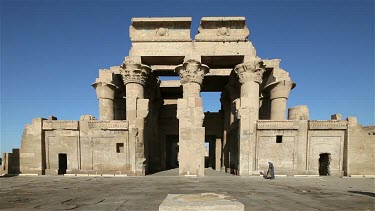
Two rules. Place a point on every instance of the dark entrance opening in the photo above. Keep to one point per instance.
(324, 161)
(172, 152)
(207, 156)
(63, 163)
(210, 152)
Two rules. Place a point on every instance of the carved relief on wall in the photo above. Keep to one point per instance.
(223, 31)
(162, 31)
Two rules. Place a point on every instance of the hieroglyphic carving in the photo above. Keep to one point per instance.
(60, 125)
(109, 125)
(192, 71)
(327, 124)
(277, 125)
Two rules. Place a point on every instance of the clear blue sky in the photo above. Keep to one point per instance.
(51, 52)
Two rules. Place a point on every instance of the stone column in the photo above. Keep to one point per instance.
(279, 94)
(218, 153)
(250, 76)
(190, 115)
(265, 106)
(233, 92)
(105, 92)
(135, 76)
(226, 106)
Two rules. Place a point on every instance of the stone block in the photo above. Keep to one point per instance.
(52, 118)
(160, 29)
(191, 102)
(140, 123)
(237, 103)
(142, 104)
(131, 103)
(203, 201)
(218, 29)
(181, 104)
(245, 101)
(105, 75)
(352, 120)
(336, 117)
(86, 118)
(300, 112)
(131, 114)
(142, 113)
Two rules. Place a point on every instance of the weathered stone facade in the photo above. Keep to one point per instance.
(148, 125)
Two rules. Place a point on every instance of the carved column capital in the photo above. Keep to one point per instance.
(281, 89)
(192, 71)
(104, 90)
(133, 72)
(250, 71)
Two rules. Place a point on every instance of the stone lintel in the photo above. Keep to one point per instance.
(277, 125)
(108, 124)
(143, 20)
(213, 72)
(160, 29)
(328, 125)
(60, 125)
(218, 29)
(170, 84)
(336, 117)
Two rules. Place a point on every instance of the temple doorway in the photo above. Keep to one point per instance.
(63, 163)
(324, 162)
(172, 149)
(210, 154)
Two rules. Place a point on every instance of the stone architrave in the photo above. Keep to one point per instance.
(250, 76)
(190, 115)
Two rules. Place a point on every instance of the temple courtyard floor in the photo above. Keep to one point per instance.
(147, 193)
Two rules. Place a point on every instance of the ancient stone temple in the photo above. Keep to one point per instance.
(150, 123)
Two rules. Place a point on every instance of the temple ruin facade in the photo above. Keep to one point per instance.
(151, 116)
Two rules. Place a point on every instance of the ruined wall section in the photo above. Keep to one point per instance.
(326, 136)
(61, 137)
(361, 149)
(295, 146)
(105, 147)
(10, 163)
(32, 152)
(279, 142)
(91, 147)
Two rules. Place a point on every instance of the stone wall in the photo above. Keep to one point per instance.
(360, 149)
(91, 146)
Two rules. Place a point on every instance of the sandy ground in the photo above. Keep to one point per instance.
(147, 193)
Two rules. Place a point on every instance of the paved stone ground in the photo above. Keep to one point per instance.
(147, 193)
